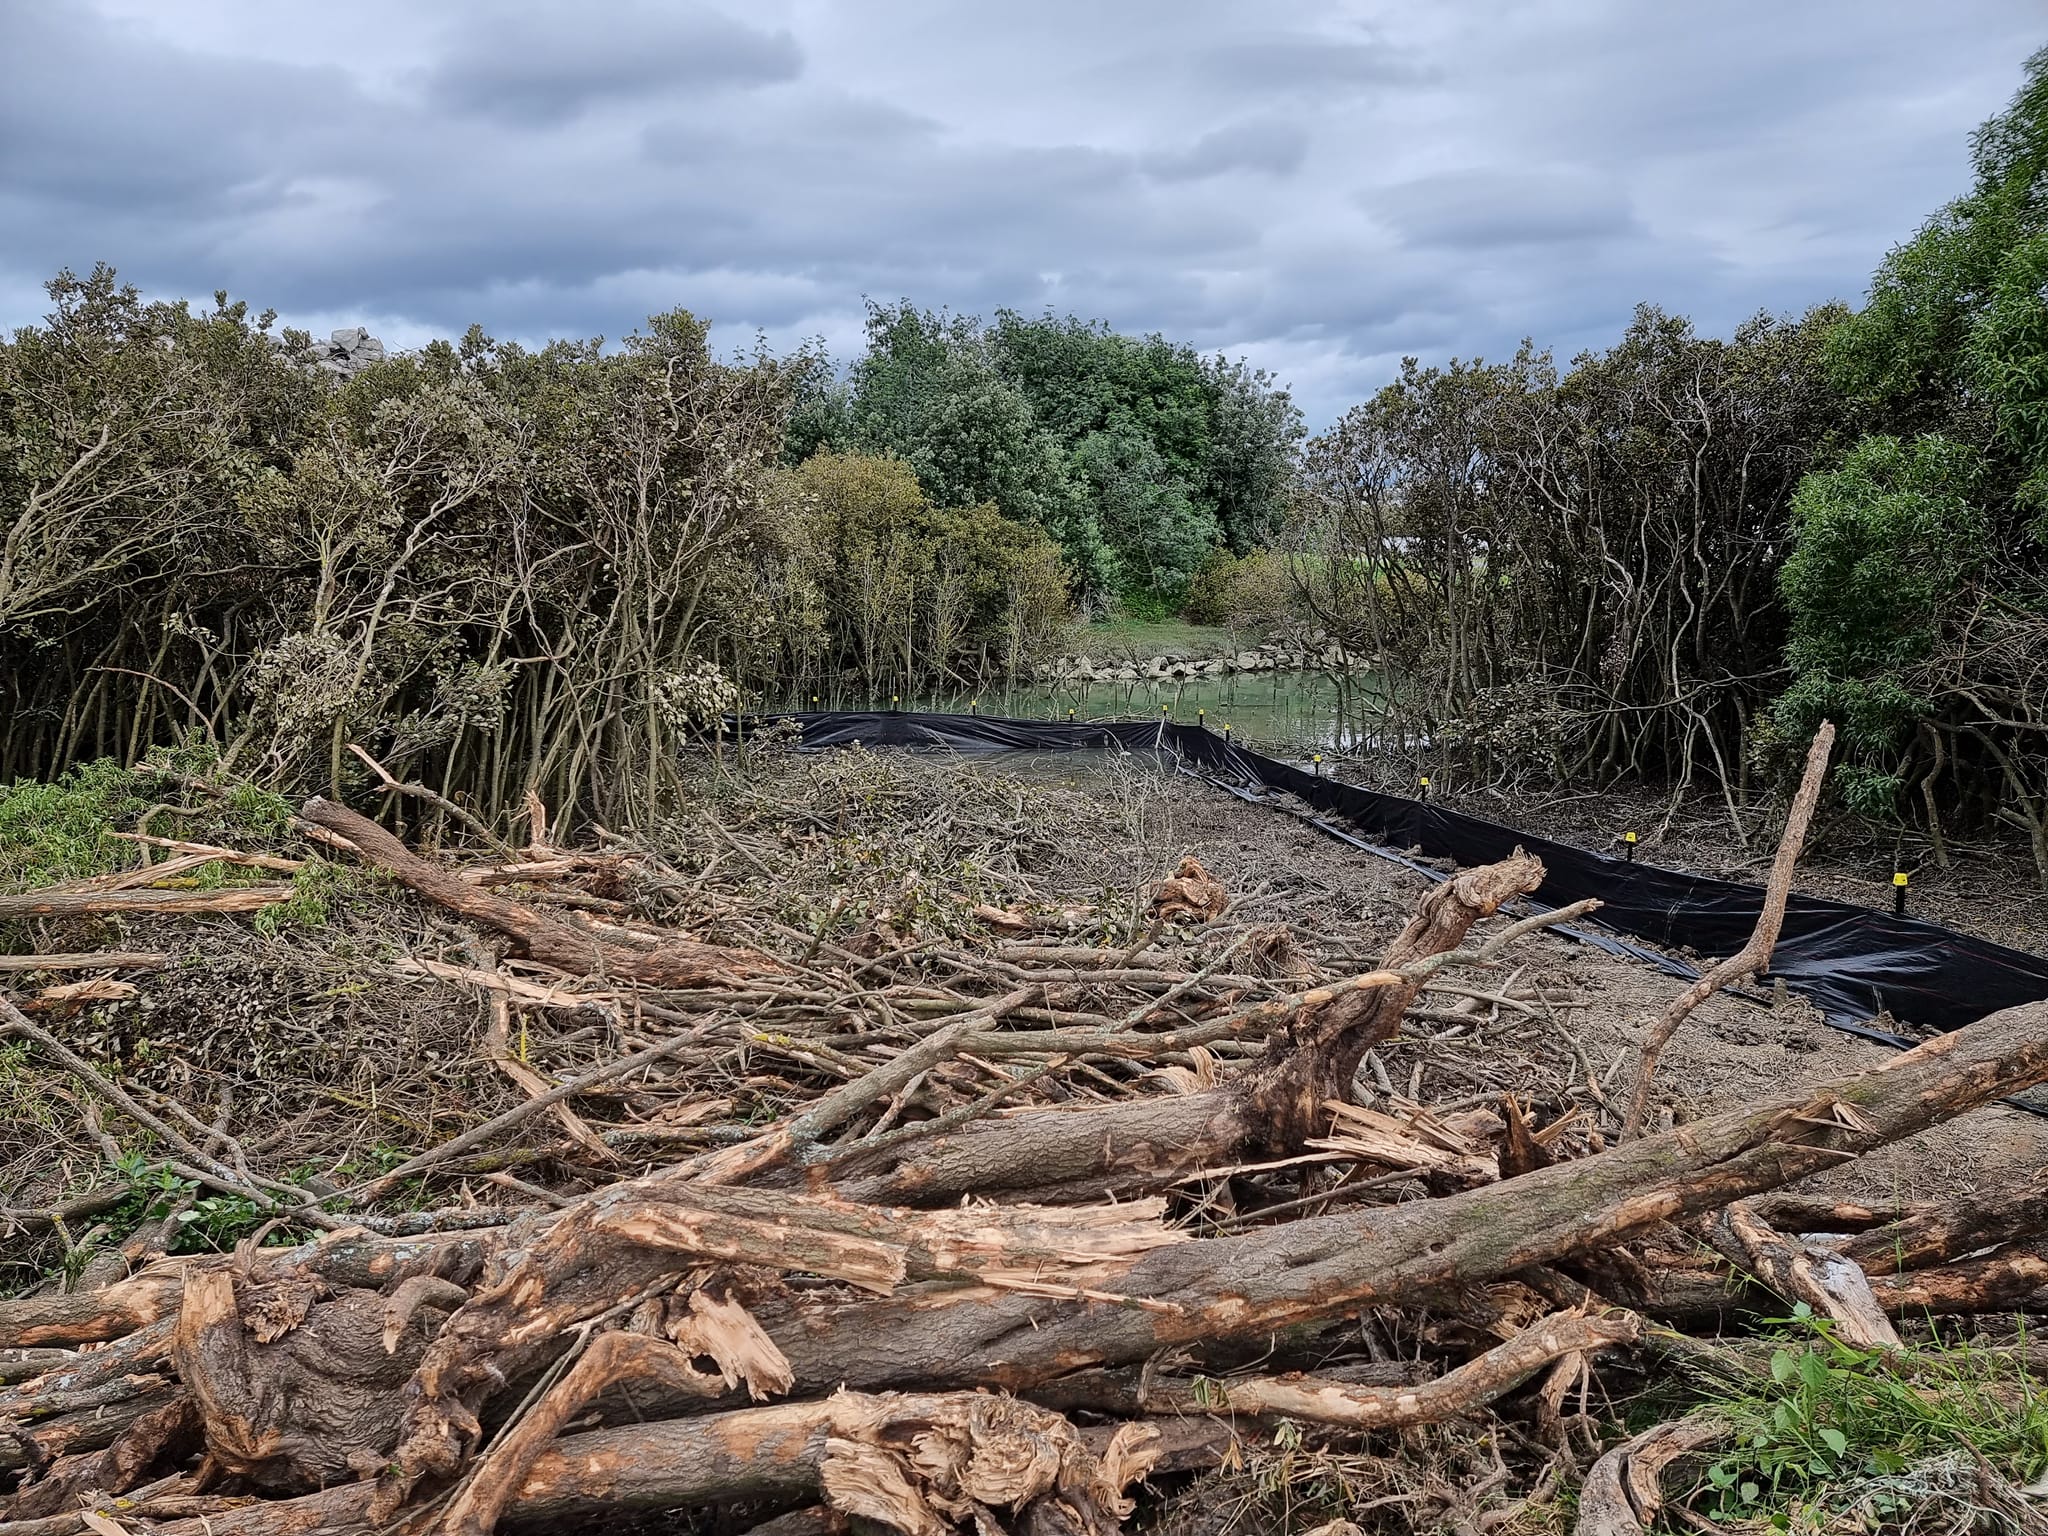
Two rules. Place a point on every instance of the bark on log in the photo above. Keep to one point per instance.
(1332, 1265)
(677, 963)
(2008, 1282)
(786, 1454)
(1950, 1231)
(344, 1259)
(237, 898)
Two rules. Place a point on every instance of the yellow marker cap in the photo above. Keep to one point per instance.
(1425, 781)
(1899, 878)
(1628, 837)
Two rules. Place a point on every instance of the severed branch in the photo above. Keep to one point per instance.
(1471, 1386)
(674, 962)
(1755, 956)
(233, 898)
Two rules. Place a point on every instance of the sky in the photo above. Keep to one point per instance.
(1321, 188)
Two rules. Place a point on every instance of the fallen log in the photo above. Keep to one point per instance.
(913, 1463)
(992, 1329)
(1328, 1266)
(673, 962)
(233, 898)
(1944, 1232)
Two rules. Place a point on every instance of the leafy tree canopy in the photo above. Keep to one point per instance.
(1140, 456)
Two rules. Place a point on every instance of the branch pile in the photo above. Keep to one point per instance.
(968, 1228)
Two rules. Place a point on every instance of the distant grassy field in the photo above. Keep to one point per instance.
(1153, 637)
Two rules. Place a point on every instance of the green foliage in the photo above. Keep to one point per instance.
(1254, 592)
(1918, 583)
(909, 595)
(1158, 534)
(2008, 358)
(56, 832)
(1880, 547)
(316, 886)
(1831, 1420)
(929, 390)
(1136, 454)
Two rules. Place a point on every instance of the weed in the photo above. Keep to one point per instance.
(1831, 1423)
(314, 888)
(25, 1097)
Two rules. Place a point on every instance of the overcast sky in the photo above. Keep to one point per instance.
(1321, 187)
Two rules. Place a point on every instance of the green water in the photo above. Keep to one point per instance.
(1309, 711)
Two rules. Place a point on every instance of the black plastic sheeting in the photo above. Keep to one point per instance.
(1851, 961)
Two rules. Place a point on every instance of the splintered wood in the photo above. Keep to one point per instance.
(1039, 1205)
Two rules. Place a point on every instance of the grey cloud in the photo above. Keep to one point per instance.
(1271, 146)
(1296, 62)
(542, 65)
(1482, 209)
(98, 114)
(1280, 194)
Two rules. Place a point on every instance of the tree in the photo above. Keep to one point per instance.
(1919, 584)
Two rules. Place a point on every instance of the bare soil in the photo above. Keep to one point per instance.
(1346, 901)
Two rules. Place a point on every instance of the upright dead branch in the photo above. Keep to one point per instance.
(1755, 956)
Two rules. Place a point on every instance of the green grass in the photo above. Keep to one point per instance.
(1837, 1432)
(59, 831)
(56, 832)
(1121, 637)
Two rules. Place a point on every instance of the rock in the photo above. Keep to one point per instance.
(345, 352)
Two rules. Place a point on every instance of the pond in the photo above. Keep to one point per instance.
(1305, 711)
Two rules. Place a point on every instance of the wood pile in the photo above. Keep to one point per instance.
(1048, 1218)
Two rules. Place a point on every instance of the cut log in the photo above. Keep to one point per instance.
(2006, 1283)
(677, 963)
(911, 1461)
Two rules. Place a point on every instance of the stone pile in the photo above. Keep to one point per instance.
(1314, 651)
(345, 352)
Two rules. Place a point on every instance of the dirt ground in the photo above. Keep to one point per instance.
(1348, 903)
